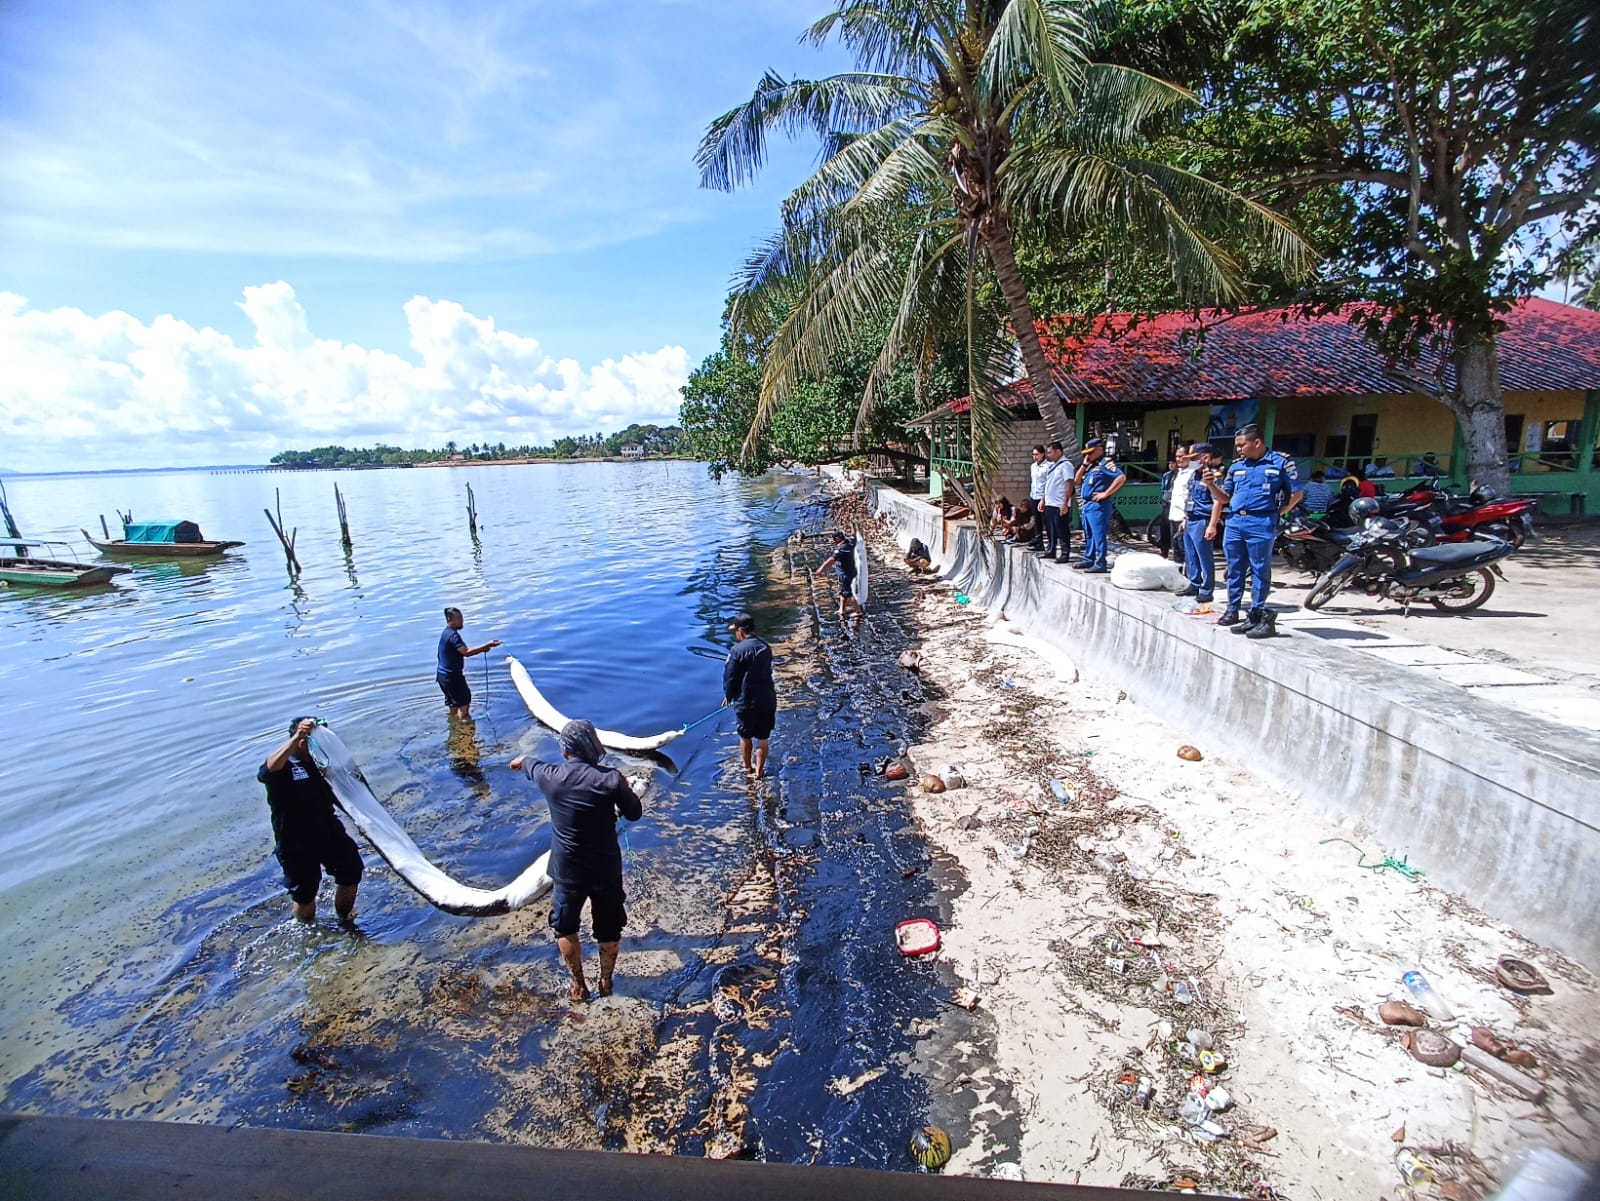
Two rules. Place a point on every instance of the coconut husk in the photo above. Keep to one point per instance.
(1401, 1013)
(1190, 753)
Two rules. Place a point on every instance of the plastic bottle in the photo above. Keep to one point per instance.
(1432, 1003)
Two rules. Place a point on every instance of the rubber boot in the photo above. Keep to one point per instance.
(1250, 622)
(1267, 627)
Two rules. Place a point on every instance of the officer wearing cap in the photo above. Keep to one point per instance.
(1098, 480)
(1202, 515)
(1259, 487)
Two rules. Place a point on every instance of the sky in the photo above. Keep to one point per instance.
(230, 229)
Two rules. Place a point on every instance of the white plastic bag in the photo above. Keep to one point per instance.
(1143, 572)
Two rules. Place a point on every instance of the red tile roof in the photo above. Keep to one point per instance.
(1274, 353)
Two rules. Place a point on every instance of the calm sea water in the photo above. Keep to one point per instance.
(150, 969)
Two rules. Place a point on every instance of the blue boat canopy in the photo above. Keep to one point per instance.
(162, 531)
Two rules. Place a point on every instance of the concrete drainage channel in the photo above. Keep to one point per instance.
(1501, 803)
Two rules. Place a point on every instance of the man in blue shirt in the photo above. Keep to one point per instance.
(1201, 517)
(1318, 495)
(1258, 487)
(1098, 480)
(452, 670)
(585, 861)
(747, 686)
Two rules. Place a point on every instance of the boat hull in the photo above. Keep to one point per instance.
(55, 573)
(160, 550)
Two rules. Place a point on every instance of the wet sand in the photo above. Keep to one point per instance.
(1285, 944)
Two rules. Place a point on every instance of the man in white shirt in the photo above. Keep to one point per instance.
(1180, 491)
(1057, 505)
(1036, 474)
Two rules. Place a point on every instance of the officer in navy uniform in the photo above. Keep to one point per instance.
(1098, 480)
(1202, 515)
(1258, 487)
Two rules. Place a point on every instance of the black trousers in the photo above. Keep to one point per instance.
(1058, 531)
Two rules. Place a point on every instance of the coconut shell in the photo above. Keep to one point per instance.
(896, 771)
(1483, 1038)
(1431, 1048)
(932, 784)
(1401, 1013)
(1192, 754)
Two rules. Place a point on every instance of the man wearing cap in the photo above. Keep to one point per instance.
(1098, 480)
(585, 861)
(747, 686)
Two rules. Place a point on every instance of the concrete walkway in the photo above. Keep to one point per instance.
(1496, 682)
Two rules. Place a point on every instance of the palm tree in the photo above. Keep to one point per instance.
(968, 124)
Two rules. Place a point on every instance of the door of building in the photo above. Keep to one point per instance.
(1363, 438)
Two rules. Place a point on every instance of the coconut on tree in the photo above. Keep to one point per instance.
(967, 126)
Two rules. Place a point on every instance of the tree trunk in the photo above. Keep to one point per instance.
(997, 241)
(1480, 407)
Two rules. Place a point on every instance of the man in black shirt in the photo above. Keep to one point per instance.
(747, 686)
(844, 555)
(307, 834)
(585, 860)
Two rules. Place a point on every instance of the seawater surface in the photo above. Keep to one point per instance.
(151, 969)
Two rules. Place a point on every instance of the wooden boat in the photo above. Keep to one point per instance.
(159, 539)
(20, 567)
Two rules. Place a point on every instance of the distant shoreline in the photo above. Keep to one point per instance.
(7, 473)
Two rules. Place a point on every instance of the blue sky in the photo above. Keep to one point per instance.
(477, 220)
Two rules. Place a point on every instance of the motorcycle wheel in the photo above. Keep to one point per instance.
(1327, 587)
(1472, 590)
(1152, 532)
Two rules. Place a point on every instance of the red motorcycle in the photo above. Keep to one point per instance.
(1480, 513)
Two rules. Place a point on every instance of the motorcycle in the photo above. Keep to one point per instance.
(1311, 545)
(1385, 559)
(1481, 512)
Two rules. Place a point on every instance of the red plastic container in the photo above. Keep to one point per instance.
(917, 936)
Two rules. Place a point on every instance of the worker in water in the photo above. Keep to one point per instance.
(451, 673)
(306, 832)
(747, 686)
(585, 861)
(844, 557)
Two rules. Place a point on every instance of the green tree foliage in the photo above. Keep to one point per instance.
(816, 423)
(657, 440)
(1462, 135)
(969, 125)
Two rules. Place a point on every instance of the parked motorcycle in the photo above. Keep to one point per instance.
(1481, 512)
(1311, 545)
(1452, 576)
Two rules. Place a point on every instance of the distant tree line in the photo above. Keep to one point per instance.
(657, 441)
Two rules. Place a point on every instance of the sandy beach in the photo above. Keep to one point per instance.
(1094, 922)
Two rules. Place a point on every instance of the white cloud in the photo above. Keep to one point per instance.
(111, 391)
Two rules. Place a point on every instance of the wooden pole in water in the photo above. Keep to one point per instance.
(472, 512)
(104, 528)
(287, 540)
(344, 520)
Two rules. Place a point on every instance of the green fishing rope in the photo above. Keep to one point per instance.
(1390, 863)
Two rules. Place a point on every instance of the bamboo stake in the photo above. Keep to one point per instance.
(344, 520)
(104, 528)
(472, 512)
(287, 540)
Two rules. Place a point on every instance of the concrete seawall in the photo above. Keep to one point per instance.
(1496, 805)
